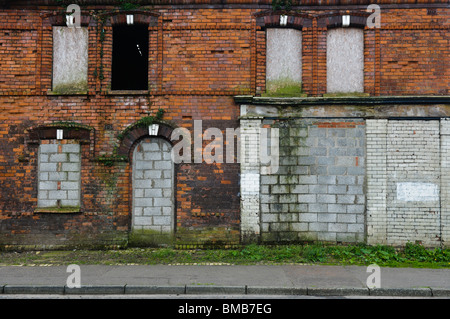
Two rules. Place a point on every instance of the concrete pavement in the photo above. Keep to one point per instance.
(311, 280)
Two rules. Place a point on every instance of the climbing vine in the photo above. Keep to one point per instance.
(143, 122)
(281, 5)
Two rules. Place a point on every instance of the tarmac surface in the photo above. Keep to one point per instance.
(224, 280)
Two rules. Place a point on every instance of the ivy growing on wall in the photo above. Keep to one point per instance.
(281, 5)
(143, 122)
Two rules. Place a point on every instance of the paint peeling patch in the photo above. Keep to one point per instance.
(417, 192)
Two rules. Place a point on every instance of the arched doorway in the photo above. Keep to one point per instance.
(153, 192)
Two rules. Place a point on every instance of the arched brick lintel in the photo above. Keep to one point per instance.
(137, 133)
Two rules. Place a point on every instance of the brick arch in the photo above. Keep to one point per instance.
(334, 20)
(137, 133)
(59, 19)
(271, 19)
(70, 131)
(140, 17)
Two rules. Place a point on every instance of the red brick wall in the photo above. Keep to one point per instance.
(199, 58)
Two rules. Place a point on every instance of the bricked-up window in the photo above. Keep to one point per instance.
(130, 57)
(70, 60)
(59, 168)
(345, 60)
(283, 61)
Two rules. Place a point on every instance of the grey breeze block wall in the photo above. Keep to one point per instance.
(59, 174)
(318, 191)
(153, 201)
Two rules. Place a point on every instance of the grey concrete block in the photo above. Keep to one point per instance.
(161, 201)
(300, 189)
(162, 183)
(161, 220)
(73, 176)
(326, 198)
(57, 158)
(308, 179)
(326, 218)
(143, 165)
(46, 185)
(153, 192)
(73, 195)
(74, 157)
(307, 198)
(328, 180)
(346, 218)
(337, 170)
(70, 167)
(59, 194)
(153, 156)
(337, 208)
(318, 227)
(347, 180)
(307, 217)
(337, 227)
(70, 185)
(48, 167)
(265, 180)
(143, 202)
(46, 203)
(317, 208)
(70, 202)
(337, 189)
(153, 146)
(48, 148)
(142, 183)
(152, 174)
(71, 148)
(346, 199)
(163, 165)
(57, 176)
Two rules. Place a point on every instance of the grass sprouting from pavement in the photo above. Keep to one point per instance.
(412, 255)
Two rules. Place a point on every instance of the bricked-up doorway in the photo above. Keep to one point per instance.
(153, 192)
(130, 57)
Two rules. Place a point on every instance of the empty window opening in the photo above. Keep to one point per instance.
(130, 58)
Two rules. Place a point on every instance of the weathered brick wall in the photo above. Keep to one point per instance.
(199, 58)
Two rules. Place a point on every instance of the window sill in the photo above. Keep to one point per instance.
(58, 210)
(55, 93)
(127, 92)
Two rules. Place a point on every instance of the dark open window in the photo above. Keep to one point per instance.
(130, 57)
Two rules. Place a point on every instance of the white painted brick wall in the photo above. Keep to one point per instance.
(406, 167)
(250, 177)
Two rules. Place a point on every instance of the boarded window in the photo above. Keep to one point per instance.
(59, 175)
(70, 60)
(345, 60)
(284, 61)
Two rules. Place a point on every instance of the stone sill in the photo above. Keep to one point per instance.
(55, 93)
(350, 100)
(58, 210)
(127, 92)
